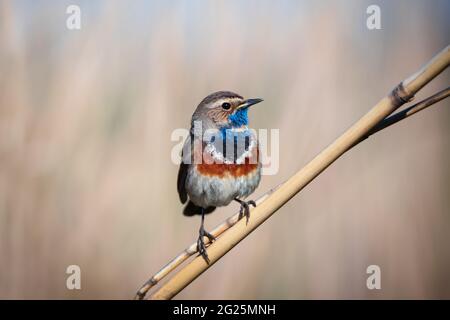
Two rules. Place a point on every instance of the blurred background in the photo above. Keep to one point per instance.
(85, 123)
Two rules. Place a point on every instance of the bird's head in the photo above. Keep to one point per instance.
(223, 110)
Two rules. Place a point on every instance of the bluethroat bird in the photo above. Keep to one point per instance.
(220, 159)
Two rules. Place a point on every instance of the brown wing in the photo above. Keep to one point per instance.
(182, 174)
(183, 170)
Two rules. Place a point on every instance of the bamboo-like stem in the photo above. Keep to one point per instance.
(229, 222)
(403, 114)
(403, 93)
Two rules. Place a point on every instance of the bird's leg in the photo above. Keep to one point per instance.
(245, 208)
(201, 248)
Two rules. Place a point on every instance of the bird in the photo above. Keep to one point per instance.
(220, 160)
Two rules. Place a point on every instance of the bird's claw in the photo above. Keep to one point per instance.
(245, 209)
(201, 247)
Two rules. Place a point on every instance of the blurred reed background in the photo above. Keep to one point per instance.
(85, 124)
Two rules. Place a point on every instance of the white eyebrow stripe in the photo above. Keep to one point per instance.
(220, 101)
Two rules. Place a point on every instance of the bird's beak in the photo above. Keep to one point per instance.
(249, 102)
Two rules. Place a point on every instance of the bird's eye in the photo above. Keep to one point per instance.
(226, 106)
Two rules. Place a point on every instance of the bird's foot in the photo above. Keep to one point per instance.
(201, 247)
(245, 208)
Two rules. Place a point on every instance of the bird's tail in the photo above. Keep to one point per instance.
(191, 209)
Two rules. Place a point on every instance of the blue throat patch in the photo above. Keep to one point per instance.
(239, 118)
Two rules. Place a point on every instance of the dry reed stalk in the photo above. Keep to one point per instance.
(370, 123)
(403, 114)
